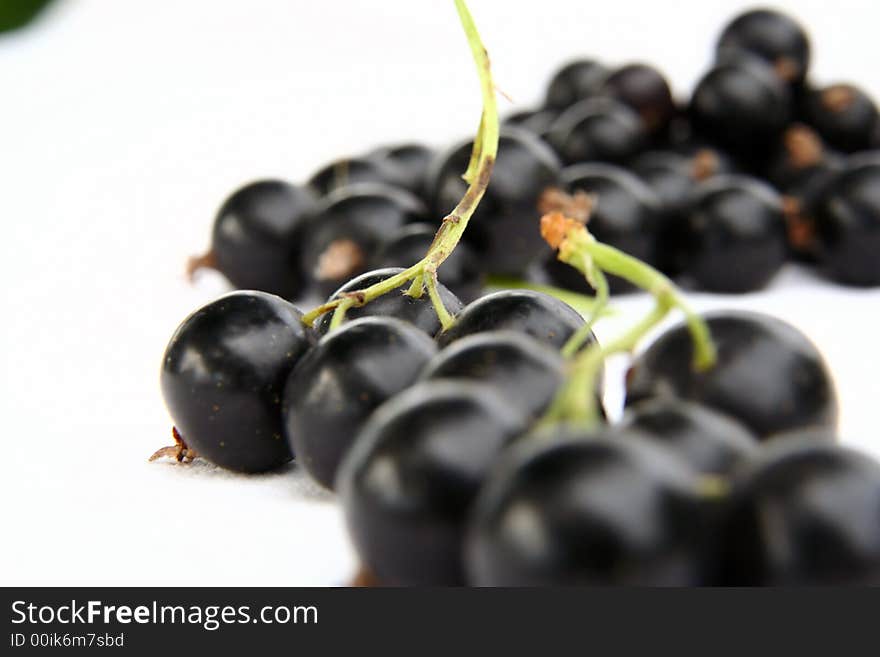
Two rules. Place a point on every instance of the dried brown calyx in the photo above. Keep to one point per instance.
(802, 146)
(837, 98)
(205, 261)
(578, 205)
(179, 451)
(704, 164)
(800, 228)
(341, 259)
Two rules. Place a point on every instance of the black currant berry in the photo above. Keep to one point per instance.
(417, 311)
(587, 509)
(733, 238)
(575, 81)
(625, 214)
(405, 165)
(844, 115)
(799, 155)
(710, 442)
(597, 130)
(543, 317)
(504, 231)
(525, 372)
(257, 237)
(537, 121)
(345, 172)
(847, 223)
(337, 385)
(348, 227)
(411, 477)
(741, 106)
(773, 37)
(804, 514)
(460, 272)
(769, 376)
(223, 375)
(646, 91)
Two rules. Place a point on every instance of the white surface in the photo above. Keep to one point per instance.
(122, 127)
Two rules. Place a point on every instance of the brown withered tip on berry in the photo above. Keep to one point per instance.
(803, 146)
(786, 69)
(341, 259)
(205, 261)
(800, 229)
(578, 205)
(364, 578)
(704, 164)
(555, 227)
(179, 451)
(838, 98)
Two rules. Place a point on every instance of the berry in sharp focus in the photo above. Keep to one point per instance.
(460, 272)
(804, 513)
(417, 311)
(526, 373)
(337, 385)
(768, 375)
(223, 375)
(733, 238)
(256, 241)
(541, 316)
(587, 508)
(410, 480)
(348, 227)
(504, 230)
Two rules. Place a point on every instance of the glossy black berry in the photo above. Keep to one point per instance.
(410, 480)
(626, 214)
(460, 272)
(337, 385)
(769, 376)
(537, 121)
(597, 130)
(644, 89)
(348, 227)
(543, 317)
(223, 375)
(844, 115)
(417, 311)
(504, 231)
(525, 372)
(847, 220)
(710, 442)
(742, 107)
(773, 37)
(405, 165)
(733, 238)
(805, 514)
(345, 172)
(587, 509)
(575, 81)
(257, 237)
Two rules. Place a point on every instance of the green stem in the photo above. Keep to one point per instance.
(423, 274)
(584, 333)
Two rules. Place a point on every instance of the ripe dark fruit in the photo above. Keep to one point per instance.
(409, 481)
(223, 374)
(587, 509)
(525, 372)
(257, 237)
(544, 318)
(538, 121)
(734, 236)
(800, 153)
(741, 107)
(504, 230)
(460, 272)
(575, 81)
(771, 36)
(348, 227)
(769, 376)
(338, 384)
(345, 172)
(710, 442)
(847, 220)
(626, 215)
(597, 130)
(417, 311)
(804, 514)
(405, 165)
(646, 91)
(844, 115)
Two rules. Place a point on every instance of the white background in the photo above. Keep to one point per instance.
(123, 124)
